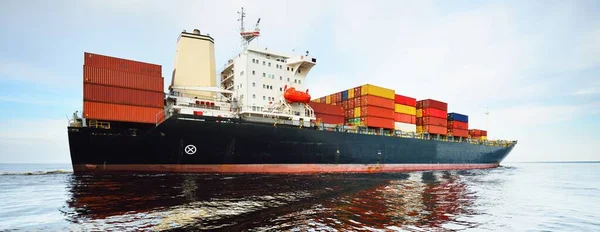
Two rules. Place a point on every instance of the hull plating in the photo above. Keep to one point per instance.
(201, 144)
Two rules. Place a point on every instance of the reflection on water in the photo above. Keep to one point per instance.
(270, 202)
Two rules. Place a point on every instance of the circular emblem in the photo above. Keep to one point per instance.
(190, 149)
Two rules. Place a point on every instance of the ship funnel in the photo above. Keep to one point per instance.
(195, 64)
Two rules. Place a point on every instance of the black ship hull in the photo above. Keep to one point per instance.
(185, 143)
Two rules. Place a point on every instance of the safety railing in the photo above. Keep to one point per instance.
(97, 124)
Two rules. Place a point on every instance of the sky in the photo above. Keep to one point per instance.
(533, 65)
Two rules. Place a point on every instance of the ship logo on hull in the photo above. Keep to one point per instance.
(190, 149)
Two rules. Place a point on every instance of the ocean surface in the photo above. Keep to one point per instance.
(514, 197)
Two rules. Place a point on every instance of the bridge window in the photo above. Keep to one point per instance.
(264, 75)
(253, 72)
(264, 98)
(269, 64)
(253, 84)
(264, 62)
(298, 81)
(253, 95)
(280, 78)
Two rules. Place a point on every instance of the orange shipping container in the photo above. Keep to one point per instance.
(377, 112)
(369, 100)
(437, 130)
(405, 118)
(119, 64)
(458, 132)
(110, 94)
(109, 77)
(121, 113)
(386, 123)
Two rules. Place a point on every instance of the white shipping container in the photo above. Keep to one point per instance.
(406, 127)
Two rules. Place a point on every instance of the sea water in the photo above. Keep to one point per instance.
(513, 197)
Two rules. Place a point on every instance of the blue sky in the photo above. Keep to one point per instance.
(534, 64)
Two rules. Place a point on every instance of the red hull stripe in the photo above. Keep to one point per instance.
(274, 168)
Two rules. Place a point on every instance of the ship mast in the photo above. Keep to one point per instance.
(487, 115)
(247, 36)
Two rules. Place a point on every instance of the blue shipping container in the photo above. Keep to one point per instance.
(458, 117)
(344, 95)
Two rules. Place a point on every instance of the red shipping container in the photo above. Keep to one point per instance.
(432, 121)
(323, 108)
(436, 130)
(330, 119)
(431, 112)
(430, 103)
(117, 95)
(458, 125)
(477, 133)
(404, 100)
(101, 76)
(350, 113)
(351, 104)
(370, 100)
(323, 99)
(458, 132)
(405, 118)
(345, 104)
(377, 112)
(120, 64)
(339, 96)
(357, 91)
(371, 121)
(357, 101)
(121, 113)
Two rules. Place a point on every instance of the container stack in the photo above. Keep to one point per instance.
(478, 134)
(458, 125)
(366, 105)
(432, 117)
(327, 113)
(121, 90)
(405, 111)
(374, 106)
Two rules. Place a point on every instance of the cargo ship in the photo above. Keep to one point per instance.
(259, 118)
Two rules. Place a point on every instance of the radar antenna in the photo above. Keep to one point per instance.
(247, 36)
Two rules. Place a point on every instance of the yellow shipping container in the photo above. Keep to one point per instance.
(357, 112)
(483, 138)
(419, 129)
(328, 99)
(377, 91)
(403, 109)
(317, 100)
(351, 93)
(419, 113)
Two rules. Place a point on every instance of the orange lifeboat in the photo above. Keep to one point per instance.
(293, 95)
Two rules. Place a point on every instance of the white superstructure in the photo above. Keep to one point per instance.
(252, 83)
